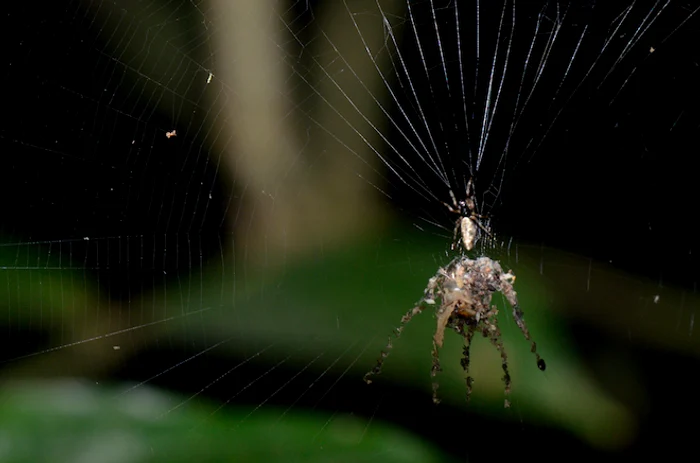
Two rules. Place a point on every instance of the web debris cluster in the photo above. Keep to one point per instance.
(461, 293)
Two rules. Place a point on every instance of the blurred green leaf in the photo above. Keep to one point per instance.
(347, 298)
(78, 422)
(357, 295)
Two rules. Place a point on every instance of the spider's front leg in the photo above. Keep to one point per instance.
(397, 332)
(443, 319)
(454, 208)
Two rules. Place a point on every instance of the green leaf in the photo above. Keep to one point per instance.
(74, 421)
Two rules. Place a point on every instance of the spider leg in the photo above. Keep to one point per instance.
(492, 331)
(520, 321)
(433, 371)
(470, 187)
(397, 332)
(506, 288)
(443, 318)
(450, 208)
(454, 200)
(468, 335)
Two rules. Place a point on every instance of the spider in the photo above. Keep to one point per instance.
(462, 292)
(469, 222)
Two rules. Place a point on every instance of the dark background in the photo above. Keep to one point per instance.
(607, 171)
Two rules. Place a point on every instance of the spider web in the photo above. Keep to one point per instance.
(234, 203)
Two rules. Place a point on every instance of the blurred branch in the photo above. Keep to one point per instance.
(300, 180)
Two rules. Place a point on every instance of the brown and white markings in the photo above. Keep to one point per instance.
(461, 293)
(469, 223)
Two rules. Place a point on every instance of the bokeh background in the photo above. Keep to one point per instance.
(217, 295)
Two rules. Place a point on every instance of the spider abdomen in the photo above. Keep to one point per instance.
(469, 232)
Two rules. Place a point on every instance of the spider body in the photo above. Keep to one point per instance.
(462, 293)
(469, 231)
(469, 222)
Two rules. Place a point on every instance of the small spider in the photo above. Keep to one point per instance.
(462, 292)
(469, 222)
